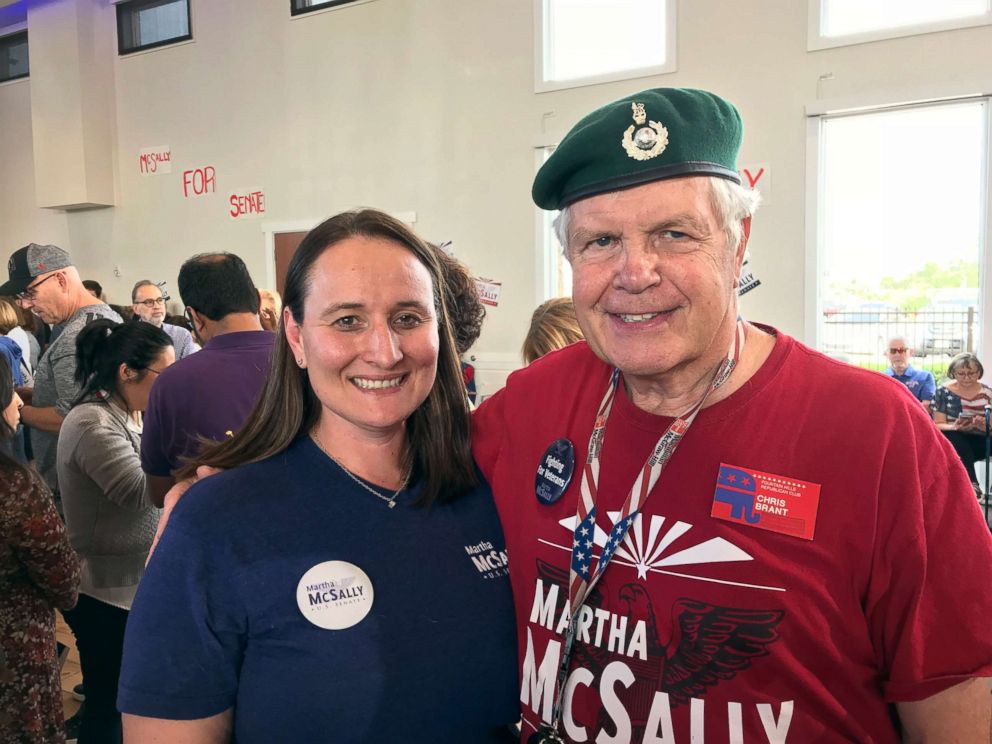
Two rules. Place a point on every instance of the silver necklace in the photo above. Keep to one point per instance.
(390, 500)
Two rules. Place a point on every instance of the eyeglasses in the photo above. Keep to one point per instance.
(898, 349)
(152, 303)
(156, 371)
(31, 292)
(966, 373)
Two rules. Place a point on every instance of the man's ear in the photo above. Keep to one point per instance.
(742, 246)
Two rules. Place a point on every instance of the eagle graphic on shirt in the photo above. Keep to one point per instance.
(708, 644)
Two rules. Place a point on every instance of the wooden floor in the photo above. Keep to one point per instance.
(71, 674)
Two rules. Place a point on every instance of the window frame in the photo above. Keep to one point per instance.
(816, 41)
(549, 258)
(5, 36)
(295, 12)
(541, 85)
(821, 110)
(122, 8)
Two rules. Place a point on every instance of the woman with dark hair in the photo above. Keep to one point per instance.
(345, 579)
(959, 411)
(108, 510)
(39, 572)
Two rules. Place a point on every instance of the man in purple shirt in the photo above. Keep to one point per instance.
(919, 382)
(207, 395)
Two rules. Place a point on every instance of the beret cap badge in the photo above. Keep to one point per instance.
(644, 139)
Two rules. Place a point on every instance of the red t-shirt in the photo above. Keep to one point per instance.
(707, 627)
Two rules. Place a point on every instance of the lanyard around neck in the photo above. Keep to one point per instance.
(584, 572)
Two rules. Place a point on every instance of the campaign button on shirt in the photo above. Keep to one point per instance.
(335, 595)
(554, 472)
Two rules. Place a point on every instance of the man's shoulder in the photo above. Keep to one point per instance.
(82, 318)
(176, 332)
(571, 366)
(202, 369)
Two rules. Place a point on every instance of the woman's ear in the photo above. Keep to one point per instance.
(294, 337)
(126, 375)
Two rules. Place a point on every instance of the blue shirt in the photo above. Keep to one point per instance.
(920, 382)
(217, 621)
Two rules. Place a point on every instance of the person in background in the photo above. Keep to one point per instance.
(919, 382)
(296, 560)
(9, 347)
(10, 312)
(108, 510)
(94, 288)
(39, 572)
(269, 309)
(148, 305)
(466, 310)
(207, 395)
(12, 351)
(552, 326)
(45, 281)
(959, 412)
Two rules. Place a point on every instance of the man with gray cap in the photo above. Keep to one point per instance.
(709, 536)
(45, 281)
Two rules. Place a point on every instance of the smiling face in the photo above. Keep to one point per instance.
(653, 277)
(369, 336)
(149, 304)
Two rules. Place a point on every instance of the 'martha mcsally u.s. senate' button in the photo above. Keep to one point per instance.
(334, 595)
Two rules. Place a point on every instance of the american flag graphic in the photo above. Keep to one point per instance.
(582, 542)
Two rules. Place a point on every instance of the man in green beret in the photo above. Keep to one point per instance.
(714, 530)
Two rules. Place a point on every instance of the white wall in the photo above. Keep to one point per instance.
(427, 106)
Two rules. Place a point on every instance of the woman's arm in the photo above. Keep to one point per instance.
(213, 730)
(104, 452)
(38, 538)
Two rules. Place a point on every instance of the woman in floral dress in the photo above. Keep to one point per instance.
(38, 573)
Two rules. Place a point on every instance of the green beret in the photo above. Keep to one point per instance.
(652, 135)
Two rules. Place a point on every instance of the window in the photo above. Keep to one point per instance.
(14, 56)
(144, 24)
(841, 22)
(582, 42)
(306, 6)
(553, 268)
(901, 228)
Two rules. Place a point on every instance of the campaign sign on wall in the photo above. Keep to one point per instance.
(489, 291)
(155, 161)
(199, 181)
(244, 203)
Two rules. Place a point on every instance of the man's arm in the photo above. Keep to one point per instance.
(959, 715)
(47, 418)
(158, 486)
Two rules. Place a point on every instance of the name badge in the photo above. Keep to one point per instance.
(767, 501)
(554, 472)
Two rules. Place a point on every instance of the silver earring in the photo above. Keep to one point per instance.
(300, 361)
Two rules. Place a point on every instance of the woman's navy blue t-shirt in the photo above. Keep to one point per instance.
(428, 654)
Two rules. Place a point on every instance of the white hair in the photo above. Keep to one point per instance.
(732, 203)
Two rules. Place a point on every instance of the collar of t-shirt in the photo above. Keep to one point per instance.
(240, 339)
(625, 409)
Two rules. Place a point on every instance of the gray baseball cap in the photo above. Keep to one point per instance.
(32, 261)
